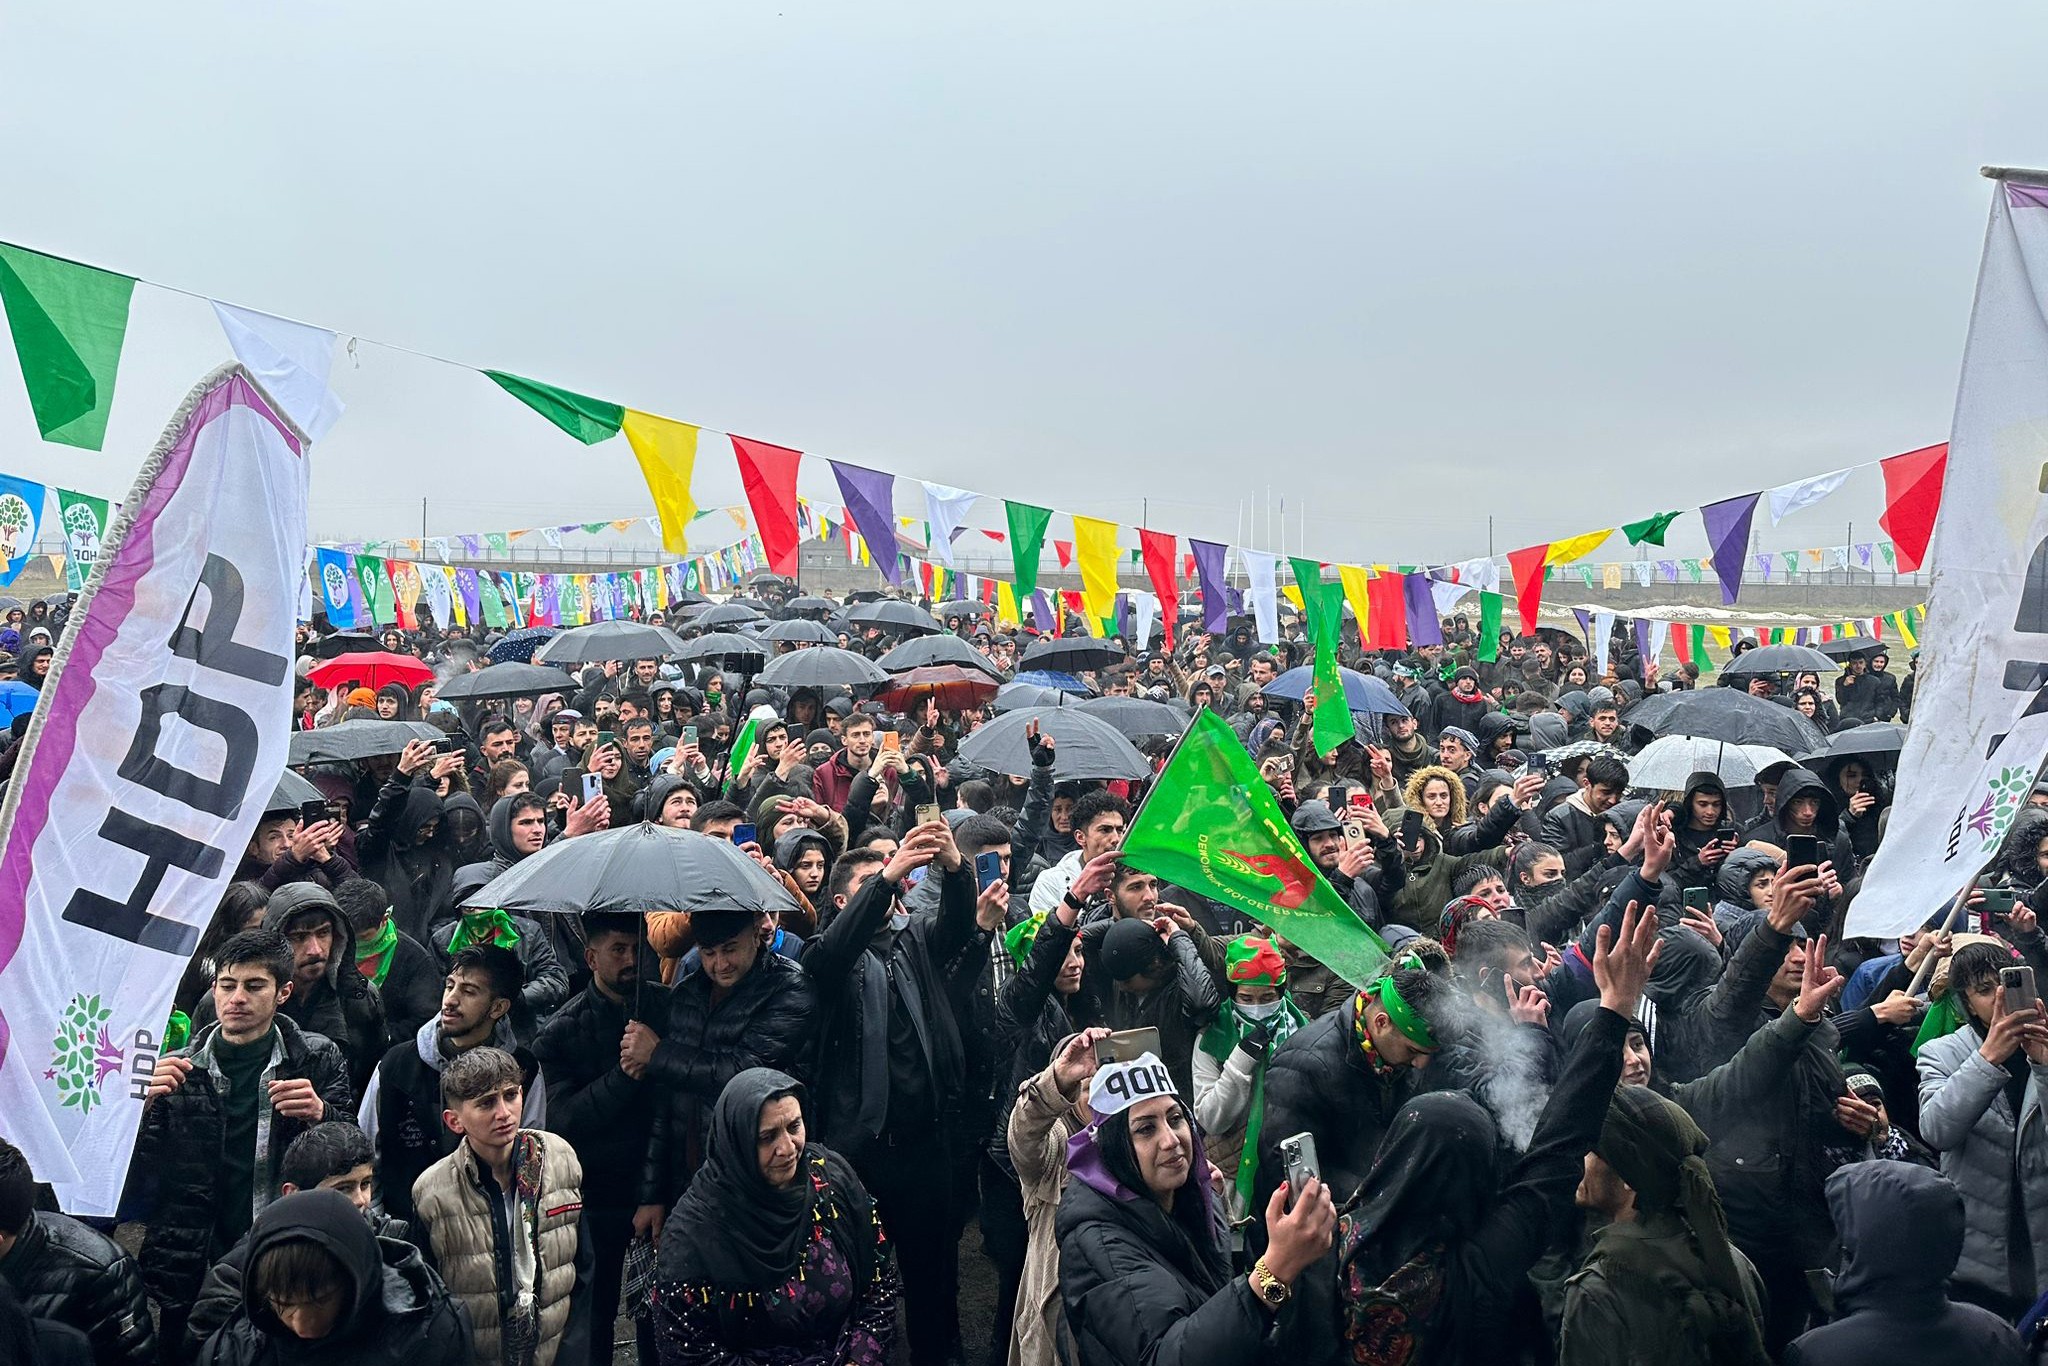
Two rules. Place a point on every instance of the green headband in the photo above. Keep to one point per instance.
(1413, 1027)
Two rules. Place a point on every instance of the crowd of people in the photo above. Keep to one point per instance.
(1623, 1091)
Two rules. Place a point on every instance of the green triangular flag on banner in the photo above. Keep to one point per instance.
(594, 527)
(1323, 604)
(68, 322)
(1212, 825)
(1027, 542)
(488, 599)
(84, 520)
(1489, 627)
(589, 420)
(500, 544)
(1891, 558)
(376, 589)
(1650, 529)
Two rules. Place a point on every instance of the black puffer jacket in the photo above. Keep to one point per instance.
(1319, 1082)
(171, 1179)
(417, 876)
(606, 1115)
(64, 1271)
(221, 1296)
(398, 1313)
(766, 1020)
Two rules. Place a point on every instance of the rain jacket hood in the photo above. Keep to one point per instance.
(1901, 1227)
(1803, 782)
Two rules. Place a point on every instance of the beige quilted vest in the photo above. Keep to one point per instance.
(458, 1220)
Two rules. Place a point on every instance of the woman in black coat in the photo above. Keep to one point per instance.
(1144, 1256)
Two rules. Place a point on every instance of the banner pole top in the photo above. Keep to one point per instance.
(2019, 173)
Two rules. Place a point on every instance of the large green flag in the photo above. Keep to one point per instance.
(1489, 627)
(1212, 825)
(377, 595)
(1323, 604)
(1027, 542)
(742, 748)
(68, 322)
(588, 419)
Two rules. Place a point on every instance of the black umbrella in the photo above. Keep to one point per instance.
(925, 652)
(11, 604)
(1873, 739)
(1848, 647)
(517, 647)
(1071, 654)
(357, 740)
(291, 793)
(893, 614)
(1084, 746)
(506, 680)
(1726, 714)
(963, 607)
(1014, 696)
(632, 869)
(810, 604)
(725, 614)
(1138, 717)
(606, 640)
(821, 666)
(798, 631)
(1778, 659)
(344, 643)
(721, 645)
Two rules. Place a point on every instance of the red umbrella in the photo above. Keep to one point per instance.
(957, 688)
(372, 669)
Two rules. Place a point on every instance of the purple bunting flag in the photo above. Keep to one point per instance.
(1424, 626)
(871, 503)
(1209, 558)
(1728, 533)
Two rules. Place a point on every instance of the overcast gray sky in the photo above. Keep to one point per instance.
(1408, 265)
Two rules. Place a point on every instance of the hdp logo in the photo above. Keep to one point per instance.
(334, 584)
(83, 1053)
(82, 530)
(16, 519)
(2002, 798)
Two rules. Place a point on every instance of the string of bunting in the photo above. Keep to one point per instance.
(69, 323)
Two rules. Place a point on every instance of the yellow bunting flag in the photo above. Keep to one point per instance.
(1006, 603)
(1354, 578)
(1095, 553)
(1576, 547)
(667, 451)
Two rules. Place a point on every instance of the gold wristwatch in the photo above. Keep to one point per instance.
(1271, 1290)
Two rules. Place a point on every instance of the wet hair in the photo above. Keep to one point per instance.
(712, 812)
(644, 701)
(334, 1148)
(1486, 944)
(1472, 877)
(977, 833)
(1604, 770)
(1091, 806)
(854, 861)
(1121, 873)
(240, 901)
(17, 1189)
(977, 796)
(266, 949)
(498, 966)
(873, 835)
(496, 725)
(477, 1073)
(295, 1271)
(1527, 857)
(502, 774)
(1974, 964)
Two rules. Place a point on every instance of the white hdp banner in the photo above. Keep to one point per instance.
(1980, 708)
(158, 740)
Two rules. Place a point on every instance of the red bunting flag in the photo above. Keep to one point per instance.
(1065, 550)
(1526, 565)
(1387, 603)
(769, 474)
(1681, 643)
(1157, 548)
(1912, 497)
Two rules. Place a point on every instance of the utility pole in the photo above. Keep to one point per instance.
(423, 519)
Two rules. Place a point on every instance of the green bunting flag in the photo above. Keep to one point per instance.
(84, 521)
(589, 420)
(1323, 604)
(376, 586)
(1650, 529)
(1027, 542)
(742, 747)
(1489, 626)
(492, 604)
(1212, 825)
(68, 322)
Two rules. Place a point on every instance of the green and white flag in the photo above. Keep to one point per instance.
(85, 526)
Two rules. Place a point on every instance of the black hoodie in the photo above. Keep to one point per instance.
(398, 1312)
(1827, 825)
(1901, 1228)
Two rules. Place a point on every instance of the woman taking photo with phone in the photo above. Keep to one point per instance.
(1144, 1255)
(775, 1252)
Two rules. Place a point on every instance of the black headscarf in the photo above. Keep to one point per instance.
(735, 1232)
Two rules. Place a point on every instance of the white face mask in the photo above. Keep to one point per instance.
(899, 920)
(1258, 1012)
